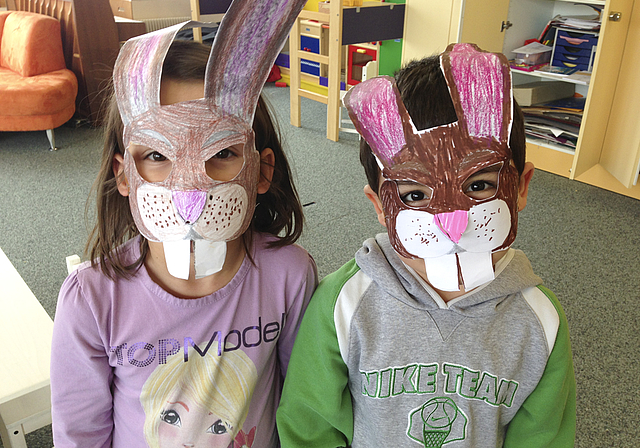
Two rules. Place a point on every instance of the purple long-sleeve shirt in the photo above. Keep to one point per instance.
(126, 352)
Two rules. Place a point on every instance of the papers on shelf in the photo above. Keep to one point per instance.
(573, 104)
(591, 23)
(556, 122)
(563, 73)
(556, 71)
(525, 67)
(585, 23)
(582, 77)
(533, 48)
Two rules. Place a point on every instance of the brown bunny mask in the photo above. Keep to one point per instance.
(190, 210)
(454, 233)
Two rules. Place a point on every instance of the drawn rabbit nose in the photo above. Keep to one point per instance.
(189, 204)
(453, 224)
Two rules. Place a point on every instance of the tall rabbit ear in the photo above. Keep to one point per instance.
(480, 87)
(138, 71)
(250, 37)
(379, 115)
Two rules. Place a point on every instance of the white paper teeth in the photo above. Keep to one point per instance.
(209, 257)
(177, 256)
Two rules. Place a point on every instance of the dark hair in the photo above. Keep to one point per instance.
(426, 97)
(278, 211)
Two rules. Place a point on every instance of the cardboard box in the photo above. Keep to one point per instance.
(542, 92)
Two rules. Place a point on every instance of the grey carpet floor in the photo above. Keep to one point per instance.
(583, 241)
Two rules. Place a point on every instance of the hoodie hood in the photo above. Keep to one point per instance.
(381, 263)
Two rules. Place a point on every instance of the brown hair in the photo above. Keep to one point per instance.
(426, 97)
(278, 211)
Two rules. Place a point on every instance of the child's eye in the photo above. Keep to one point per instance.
(156, 156)
(225, 164)
(152, 165)
(217, 428)
(171, 417)
(224, 154)
(414, 194)
(479, 185)
(482, 186)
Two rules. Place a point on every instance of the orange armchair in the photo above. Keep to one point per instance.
(37, 91)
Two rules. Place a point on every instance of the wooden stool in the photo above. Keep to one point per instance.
(25, 338)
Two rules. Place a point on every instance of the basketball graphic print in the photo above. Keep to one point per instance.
(437, 422)
(438, 415)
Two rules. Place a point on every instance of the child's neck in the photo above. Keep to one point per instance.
(193, 288)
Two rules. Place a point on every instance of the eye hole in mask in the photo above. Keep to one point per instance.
(152, 165)
(226, 164)
(483, 184)
(414, 194)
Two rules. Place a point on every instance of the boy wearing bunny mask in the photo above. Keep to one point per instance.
(437, 333)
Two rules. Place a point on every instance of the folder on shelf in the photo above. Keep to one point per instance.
(557, 121)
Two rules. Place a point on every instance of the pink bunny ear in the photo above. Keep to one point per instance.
(480, 87)
(250, 37)
(377, 112)
(138, 71)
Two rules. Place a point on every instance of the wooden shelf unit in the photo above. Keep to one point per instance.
(331, 60)
(374, 21)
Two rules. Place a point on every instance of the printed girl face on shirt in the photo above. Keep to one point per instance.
(187, 424)
(201, 401)
(449, 193)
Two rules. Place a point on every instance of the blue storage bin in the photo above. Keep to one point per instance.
(310, 67)
(579, 63)
(313, 45)
(576, 39)
(574, 49)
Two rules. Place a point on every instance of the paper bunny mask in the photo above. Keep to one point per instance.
(189, 210)
(454, 233)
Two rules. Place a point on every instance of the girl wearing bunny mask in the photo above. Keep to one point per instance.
(193, 192)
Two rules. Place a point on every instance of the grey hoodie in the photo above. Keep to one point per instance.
(422, 372)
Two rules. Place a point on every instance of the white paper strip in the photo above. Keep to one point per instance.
(477, 268)
(442, 272)
(177, 256)
(209, 256)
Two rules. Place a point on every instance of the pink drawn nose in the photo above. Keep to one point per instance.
(453, 224)
(189, 204)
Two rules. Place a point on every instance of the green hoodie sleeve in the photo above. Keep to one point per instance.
(547, 418)
(315, 408)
